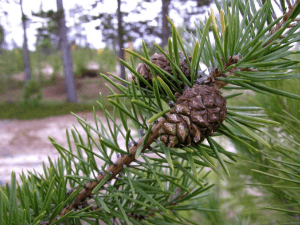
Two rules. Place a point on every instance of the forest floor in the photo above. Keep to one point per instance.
(25, 144)
(87, 89)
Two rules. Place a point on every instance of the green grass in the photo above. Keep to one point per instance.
(18, 111)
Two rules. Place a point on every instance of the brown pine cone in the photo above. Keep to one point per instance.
(198, 113)
(144, 70)
(162, 62)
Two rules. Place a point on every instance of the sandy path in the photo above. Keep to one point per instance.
(24, 144)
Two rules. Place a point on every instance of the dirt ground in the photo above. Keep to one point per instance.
(25, 144)
(87, 89)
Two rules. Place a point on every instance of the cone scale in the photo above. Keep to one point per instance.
(162, 62)
(197, 114)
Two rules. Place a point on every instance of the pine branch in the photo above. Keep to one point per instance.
(284, 19)
(215, 73)
(112, 171)
(217, 78)
(174, 199)
(118, 166)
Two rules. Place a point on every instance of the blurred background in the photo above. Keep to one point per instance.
(97, 32)
(34, 100)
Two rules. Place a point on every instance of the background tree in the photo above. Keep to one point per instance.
(47, 38)
(47, 34)
(66, 53)
(25, 45)
(120, 38)
(81, 16)
(118, 32)
(186, 13)
(123, 32)
(3, 14)
(166, 32)
(1, 36)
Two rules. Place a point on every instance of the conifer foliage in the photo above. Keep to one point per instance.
(169, 123)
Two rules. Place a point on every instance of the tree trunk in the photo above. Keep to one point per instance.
(25, 47)
(66, 53)
(121, 40)
(166, 33)
(1, 37)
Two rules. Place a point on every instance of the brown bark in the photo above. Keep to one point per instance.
(66, 54)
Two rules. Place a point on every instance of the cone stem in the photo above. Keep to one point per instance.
(284, 19)
(113, 169)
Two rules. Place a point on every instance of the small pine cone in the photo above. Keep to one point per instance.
(144, 70)
(184, 66)
(198, 113)
(162, 62)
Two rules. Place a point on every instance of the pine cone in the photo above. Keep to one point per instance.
(162, 62)
(144, 70)
(198, 113)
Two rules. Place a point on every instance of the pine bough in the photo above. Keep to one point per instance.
(163, 169)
